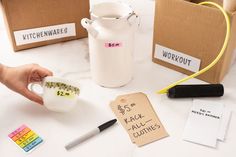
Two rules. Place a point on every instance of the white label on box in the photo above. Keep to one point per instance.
(34, 35)
(177, 58)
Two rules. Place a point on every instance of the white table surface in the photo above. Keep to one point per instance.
(70, 59)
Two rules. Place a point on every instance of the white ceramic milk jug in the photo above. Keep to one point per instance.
(111, 43)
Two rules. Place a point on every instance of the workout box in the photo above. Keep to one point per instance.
(33, 23)
(188, 37)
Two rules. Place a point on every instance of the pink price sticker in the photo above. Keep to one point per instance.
(113, 44)
(17, 131)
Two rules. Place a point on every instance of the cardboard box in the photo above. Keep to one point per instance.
(188, 37)
(33, 23)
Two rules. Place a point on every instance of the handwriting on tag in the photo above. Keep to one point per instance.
(66, 94)
(136, 115)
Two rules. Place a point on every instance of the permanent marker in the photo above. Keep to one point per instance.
(90, 134)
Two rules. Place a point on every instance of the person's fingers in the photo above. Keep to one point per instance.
(43, 72)
(32, 96)
(38, 73)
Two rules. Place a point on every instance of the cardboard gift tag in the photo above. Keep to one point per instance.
(136, 115)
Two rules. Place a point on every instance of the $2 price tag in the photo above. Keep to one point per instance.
(66, 94)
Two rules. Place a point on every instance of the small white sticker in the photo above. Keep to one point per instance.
(177, 58)
(34, 35)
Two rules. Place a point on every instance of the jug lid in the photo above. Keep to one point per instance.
(111, 11)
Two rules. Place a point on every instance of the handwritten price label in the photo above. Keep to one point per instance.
(125, 108)
(113, 44)
(66, 94)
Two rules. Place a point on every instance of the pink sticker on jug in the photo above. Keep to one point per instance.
(113, 44)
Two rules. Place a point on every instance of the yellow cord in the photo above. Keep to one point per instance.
(164, 90)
